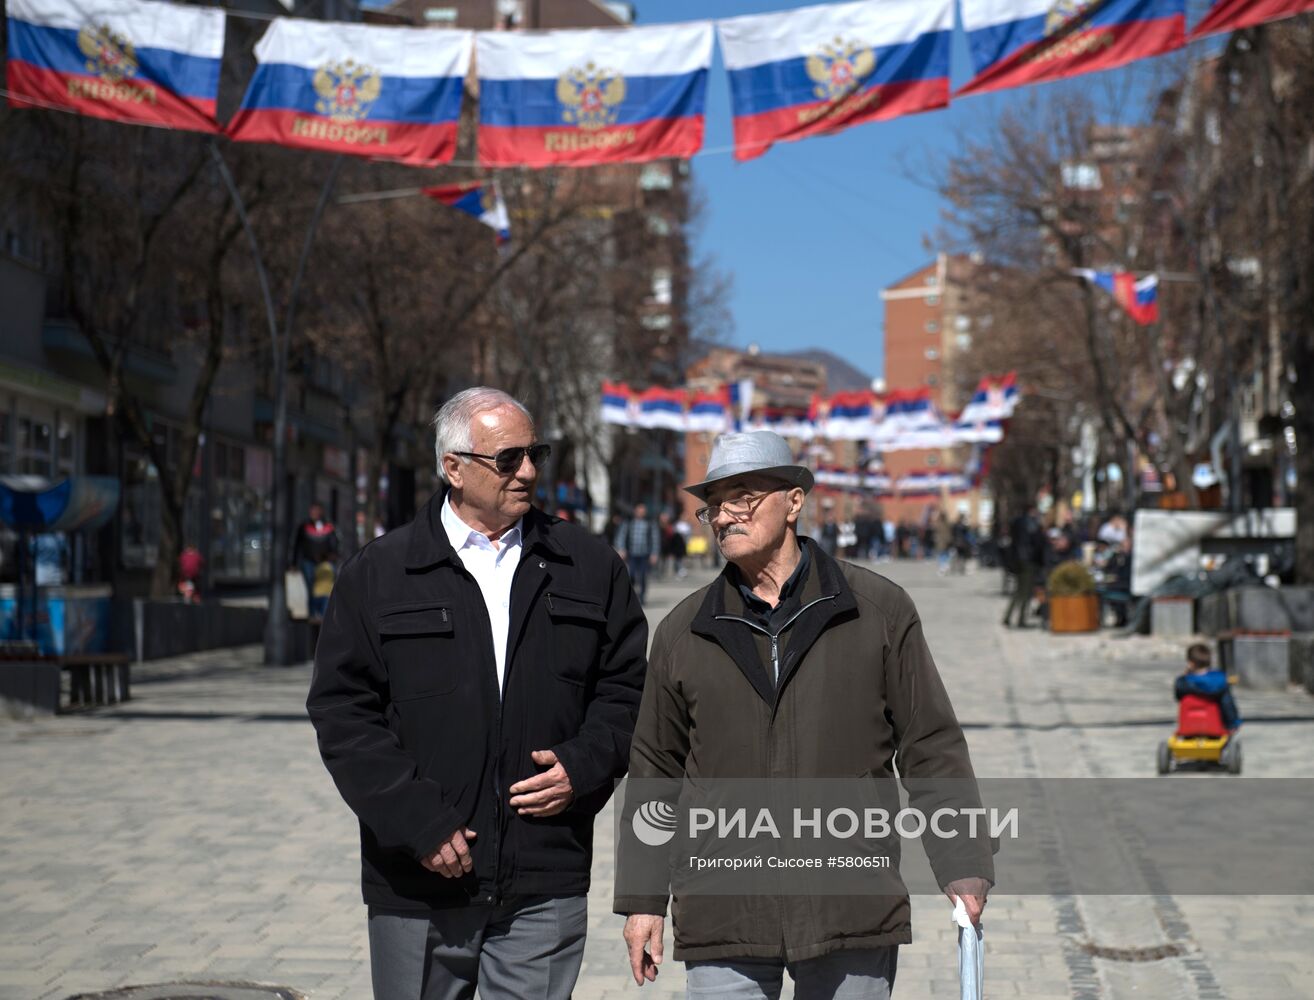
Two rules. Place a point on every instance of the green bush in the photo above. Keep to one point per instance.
(1070, 579)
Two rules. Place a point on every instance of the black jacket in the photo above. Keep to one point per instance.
(411, 727)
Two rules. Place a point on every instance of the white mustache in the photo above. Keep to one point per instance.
(734, 529)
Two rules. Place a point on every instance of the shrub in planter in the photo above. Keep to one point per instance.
(1073, 603)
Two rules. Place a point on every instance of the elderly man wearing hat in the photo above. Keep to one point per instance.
(790, 665)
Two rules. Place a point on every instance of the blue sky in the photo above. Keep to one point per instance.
(814, 229)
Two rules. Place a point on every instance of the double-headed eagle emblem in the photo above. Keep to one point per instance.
(839, 68)
(346, 90)
(590, 96)
(1064, 12)
(109, 55)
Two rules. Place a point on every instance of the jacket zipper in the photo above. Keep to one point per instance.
(775, 637)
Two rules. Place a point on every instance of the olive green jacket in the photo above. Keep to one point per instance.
(859, 694)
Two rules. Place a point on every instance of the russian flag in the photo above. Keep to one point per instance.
(1229, 15)
(821, 69)
(616, 400)
(1139, 297)
(386, 92)
(662, 408)
(479, 201)
(578, 98)
(1016, 42)
(710, 411)
(135, 61)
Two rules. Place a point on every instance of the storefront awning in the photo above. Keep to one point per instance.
(29, 503)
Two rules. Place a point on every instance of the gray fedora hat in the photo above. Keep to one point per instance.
(759, 452)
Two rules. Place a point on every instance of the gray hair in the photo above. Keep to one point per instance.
(452, 423)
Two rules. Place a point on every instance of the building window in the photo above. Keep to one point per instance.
(1081, 176)
(963, 340)
(932, 326)
(932, 460)
(35, 453)
(932, 300)
(932, 354)
(932, 380)
(962, 322)
(661, 286)
(239, 524)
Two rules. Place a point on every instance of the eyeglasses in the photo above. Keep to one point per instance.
(739, 507)
(508, 460)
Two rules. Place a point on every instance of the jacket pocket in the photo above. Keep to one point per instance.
(578, 629)
(418, 650)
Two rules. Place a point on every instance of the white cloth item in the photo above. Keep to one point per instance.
(971, 954)
(493, 567)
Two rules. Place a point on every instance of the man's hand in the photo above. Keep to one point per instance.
(544, 794)
(652, 559)
(973, 893)
(643, 940)
(452, 859)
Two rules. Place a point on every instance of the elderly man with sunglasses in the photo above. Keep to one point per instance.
(794, 667)
(475, 690)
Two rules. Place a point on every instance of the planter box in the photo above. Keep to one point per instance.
(1261, 662)
(1172, 616)
(1074, 614)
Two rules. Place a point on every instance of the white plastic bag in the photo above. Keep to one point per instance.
(298, 601)
(971, 954)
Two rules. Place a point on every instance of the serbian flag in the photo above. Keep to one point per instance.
(821, 69)
(710, 411)
(616, 400)
(993, 400)
(133, 61)
(1139, 297)
(479, 201)
(1229, 15)
(1015, 42)
(663, 408)
(852, 416)
(360, 89)
(578, 98)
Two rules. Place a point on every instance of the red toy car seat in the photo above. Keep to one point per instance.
(1197, 716)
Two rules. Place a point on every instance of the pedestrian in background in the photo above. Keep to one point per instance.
(315, 551)
(1028, 558)
(475, 688)
(639, 543)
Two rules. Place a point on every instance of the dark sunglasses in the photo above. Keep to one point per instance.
(508, 460)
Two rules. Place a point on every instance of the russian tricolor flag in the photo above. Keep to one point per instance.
(479, 201)
(821, 69)
(1229, 15)
(577, 98)
(364, 90)
(136, 61)
(1139, 297)
(1016, 42)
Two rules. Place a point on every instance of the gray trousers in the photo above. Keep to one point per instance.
(859, 974)
(528, 949)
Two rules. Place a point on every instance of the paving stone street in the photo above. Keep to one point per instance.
(193, 834)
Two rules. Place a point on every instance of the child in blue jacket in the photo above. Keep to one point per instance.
(1202, 680)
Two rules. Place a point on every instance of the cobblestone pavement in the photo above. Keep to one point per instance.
(193, 833)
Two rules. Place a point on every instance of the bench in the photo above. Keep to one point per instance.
(31, 685)
(97, 678)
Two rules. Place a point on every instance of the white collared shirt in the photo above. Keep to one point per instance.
(493, 568)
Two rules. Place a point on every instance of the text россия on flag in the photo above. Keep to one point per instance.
(577, 98)
(364, 90)
(820, 69)
(136, 61)
(1017, 42)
